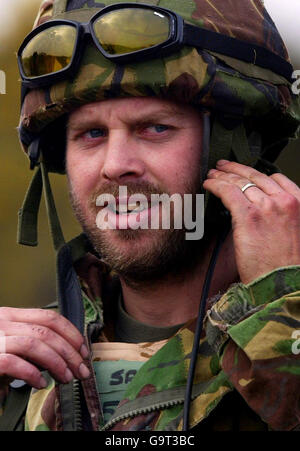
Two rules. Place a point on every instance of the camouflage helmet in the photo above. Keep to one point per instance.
(253, 108)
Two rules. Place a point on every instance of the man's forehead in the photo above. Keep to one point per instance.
(134, 108)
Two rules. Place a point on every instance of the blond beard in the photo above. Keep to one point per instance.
(167, 251)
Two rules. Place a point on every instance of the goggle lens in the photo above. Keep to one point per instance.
(50, 51)
(130, 29)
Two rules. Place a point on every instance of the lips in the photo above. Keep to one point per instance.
(131, 215)
(123, 207)
(132, 208)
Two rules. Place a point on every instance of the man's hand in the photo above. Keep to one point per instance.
(265, 218)
(31, 338)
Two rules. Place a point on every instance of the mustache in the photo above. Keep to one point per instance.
(144, 188)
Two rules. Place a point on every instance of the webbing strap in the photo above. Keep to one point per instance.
(149, 2)
(28, 214)
(79, 246)
(68, 289)
(54, 224)
(220, 148)
(240, 147)
(228, 143)
(71, 307)
(238, 49)
(220, 145)
(205, 145)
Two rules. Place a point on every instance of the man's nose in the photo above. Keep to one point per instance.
(122, 158)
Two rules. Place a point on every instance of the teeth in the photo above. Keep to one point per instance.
(132, 208)
(135, 208)
(122, 209)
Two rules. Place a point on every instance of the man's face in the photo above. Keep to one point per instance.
(149, 145)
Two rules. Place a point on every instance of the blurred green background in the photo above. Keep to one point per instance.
(28, 274)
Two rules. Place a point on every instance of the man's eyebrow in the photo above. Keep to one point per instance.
(138, 118)
(79, 123)
(155, 115)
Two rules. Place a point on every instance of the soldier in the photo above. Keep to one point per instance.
(156, 332)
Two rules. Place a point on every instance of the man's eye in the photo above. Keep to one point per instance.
(159, 128)
(96, 133)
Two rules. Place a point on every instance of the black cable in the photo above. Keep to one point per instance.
(199, 326)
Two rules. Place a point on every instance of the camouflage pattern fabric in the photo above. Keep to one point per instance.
(256, 359)
(224, 85)
(246, 348)
(247, 344)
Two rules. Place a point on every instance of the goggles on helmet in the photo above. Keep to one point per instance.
(127, 32)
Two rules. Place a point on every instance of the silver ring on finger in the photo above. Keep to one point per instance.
(248, 185)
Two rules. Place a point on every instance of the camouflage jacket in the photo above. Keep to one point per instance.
(247, 373)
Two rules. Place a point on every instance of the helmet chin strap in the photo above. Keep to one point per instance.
(206, 161)
(28, 214)
(199, 325)
(205, 146)
(224, 138)
(54, 223)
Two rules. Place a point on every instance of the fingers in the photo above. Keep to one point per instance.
(41, 354)
(67, 352)
(287, 184)
(265, 217)
(253, 195)
(231, 196)
(18, 368)
(46, 318)
(44, 338)
(267, 184)
(272, 193)
(235, 174)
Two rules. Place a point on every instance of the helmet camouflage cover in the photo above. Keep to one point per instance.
(228, 87)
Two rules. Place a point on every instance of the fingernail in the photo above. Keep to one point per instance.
(84, 351)
(221, 162)
(43, 382)
(68, 375)
(83, 371)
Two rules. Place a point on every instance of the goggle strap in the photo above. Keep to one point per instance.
(27, 233)
(235, 48)
(150, 2)
(54, 223)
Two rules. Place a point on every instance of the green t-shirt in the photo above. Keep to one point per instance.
(113, 376)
